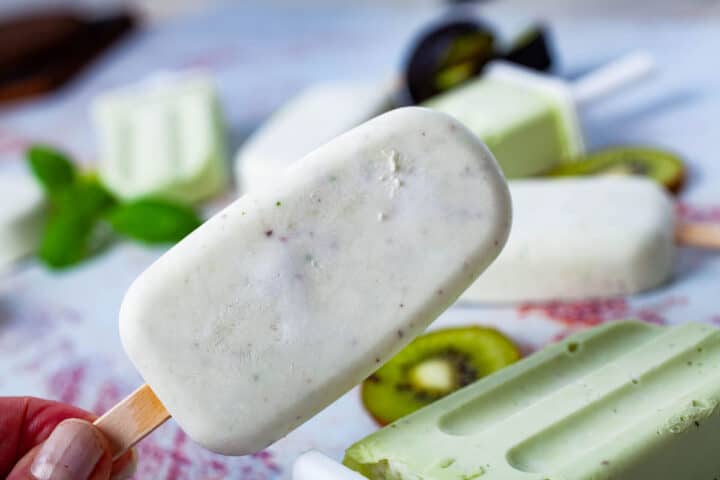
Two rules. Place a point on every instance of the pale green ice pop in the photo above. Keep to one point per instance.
(163, 136)
(625, 401)
(529, 120)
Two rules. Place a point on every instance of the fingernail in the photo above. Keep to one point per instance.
(70, 453)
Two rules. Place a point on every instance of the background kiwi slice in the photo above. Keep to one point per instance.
(432, 366)
(664, 167)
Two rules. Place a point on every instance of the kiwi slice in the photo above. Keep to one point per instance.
(445, 55)
(664, 167)
(432, 366)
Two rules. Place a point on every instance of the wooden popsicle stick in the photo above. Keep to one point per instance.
(132, 419)
(700, 235)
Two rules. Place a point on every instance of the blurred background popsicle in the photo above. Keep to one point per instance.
(315, 116)
(164, 136)
(579, 238)
(530, 120)
(593, 237)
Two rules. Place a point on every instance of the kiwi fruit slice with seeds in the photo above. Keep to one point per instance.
(433, 366)
(664, 167)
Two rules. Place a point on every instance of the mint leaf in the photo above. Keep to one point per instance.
(72, 223)
(52, 168)
(65, 239)
(153, 220)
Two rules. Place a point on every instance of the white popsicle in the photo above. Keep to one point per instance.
(295, 293)
(317, 115)
(580, 238)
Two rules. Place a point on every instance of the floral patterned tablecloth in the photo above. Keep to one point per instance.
(58, 335)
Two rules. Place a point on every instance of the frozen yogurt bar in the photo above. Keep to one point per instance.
(576, 238)
(297, 291)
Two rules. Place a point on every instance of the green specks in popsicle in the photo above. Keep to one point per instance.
(400, 334)
(572, 347)
(447, 462)
(333, 178)
(440, 291)
(308, 257)
(278, 203)
(605, 463)
(256, 378)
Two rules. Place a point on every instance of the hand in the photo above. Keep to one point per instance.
(44, 440)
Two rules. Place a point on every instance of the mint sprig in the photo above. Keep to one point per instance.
(79, 205)
(153, 220)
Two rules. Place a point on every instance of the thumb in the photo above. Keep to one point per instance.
(75, 450)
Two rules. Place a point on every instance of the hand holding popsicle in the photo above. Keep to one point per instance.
(43, 439)
(354, 251)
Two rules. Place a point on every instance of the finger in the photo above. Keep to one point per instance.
(26, 422)
(124, 467)
(75, 450)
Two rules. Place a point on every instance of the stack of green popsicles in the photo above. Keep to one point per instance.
(625, 401)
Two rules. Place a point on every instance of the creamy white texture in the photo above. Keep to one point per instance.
(295, 293)
(315, 116)
(580, 238)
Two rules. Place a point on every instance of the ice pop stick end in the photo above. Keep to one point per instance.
(699, 235)
(132, 419)
(613, 77)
